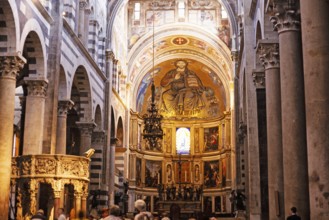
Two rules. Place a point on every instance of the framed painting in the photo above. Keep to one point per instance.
(211, 139)
(153, 170)
(211, 174)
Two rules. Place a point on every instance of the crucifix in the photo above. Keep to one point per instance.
(179, 163)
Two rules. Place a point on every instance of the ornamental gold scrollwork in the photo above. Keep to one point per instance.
(45, 166)
(26, 166)
(14, 168)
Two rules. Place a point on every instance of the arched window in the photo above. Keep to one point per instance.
(181, 9)
(183, 140)
(137, 11)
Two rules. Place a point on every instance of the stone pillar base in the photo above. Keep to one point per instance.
(240, 214)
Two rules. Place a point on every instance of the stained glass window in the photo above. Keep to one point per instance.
(183, 140)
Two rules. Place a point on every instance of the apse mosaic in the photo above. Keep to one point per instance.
(184, 89)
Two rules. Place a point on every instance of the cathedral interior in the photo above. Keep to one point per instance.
(209, 107)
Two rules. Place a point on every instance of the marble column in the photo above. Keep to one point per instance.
(81, 22)
(86, 130)
(9, 69)
(268, 51)
(63, 107)
(286, 22)
(85, 36)
(34, 120)
(111, 169)
(315, 35)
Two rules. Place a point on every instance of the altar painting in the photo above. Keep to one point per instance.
(211, 139)
(138, 172)
(153, 170)
(211, 174)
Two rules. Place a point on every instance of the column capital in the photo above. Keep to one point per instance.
(235, 56)
(36, 86)
(109, 55)
(286, 18)
(114, 141)
(258, 76)
(98, 137)
(11, 65)
(86, 128)
(268, 52)
(64, 106)
(82, 4)
(87, 10)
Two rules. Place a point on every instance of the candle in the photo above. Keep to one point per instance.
(99, 181)
(191, 175)
(158, 178)
(185, 176)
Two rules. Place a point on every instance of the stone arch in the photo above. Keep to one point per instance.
(81, 94)
(9, 31)
(63, 85)
(120, 132)
(98, 118)
(34, 48)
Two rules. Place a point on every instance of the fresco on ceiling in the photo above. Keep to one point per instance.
(182, 91)
(165, 45)
(203, 17)
(159, 17)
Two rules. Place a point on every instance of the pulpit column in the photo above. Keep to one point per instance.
(286, 21)
(57, 202)
(86, 129)
(63, 107)
(315, 23)
(34, 120)
(77, 197)
(269, 56)
(84, 204)
(9, 69)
